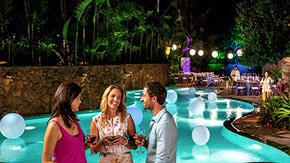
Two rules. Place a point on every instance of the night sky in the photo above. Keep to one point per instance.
(221, 12)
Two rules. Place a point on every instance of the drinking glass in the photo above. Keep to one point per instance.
(141, 135)
(90, 139)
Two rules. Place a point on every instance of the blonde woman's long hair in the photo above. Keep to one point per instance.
(122, 110)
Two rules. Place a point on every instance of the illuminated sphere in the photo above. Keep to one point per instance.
(212, 97)
(192, 52)
(174, 47)
(230, 55)
(13, 150)
(200, 135)
(214, 54)
(171, 96)
(239, 52)
(171, 108)
(200, 52)
(12, 125)
(196, 106)
(192, 91)
(136, 114)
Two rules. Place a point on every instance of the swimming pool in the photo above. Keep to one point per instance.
(222, 146)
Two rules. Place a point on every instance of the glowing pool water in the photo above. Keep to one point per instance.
(222, 146)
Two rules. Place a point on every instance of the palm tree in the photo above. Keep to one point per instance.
(5, 19)
(78, 13)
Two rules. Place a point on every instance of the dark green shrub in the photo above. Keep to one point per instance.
(277, 113)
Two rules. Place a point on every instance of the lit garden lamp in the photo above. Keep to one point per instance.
(174, 47)
(200, 52)
(239, 52)
(192, 52)
(230, 55)
(214, 54)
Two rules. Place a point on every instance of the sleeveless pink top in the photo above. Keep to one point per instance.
(70, 149)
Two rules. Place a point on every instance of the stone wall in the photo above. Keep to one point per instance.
(29, 90)
(286, 71)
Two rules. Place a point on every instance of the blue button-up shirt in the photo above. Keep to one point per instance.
(162, 139)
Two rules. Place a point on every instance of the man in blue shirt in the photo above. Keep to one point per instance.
(162, 140)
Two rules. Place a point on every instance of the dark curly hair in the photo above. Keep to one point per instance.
(155, 88)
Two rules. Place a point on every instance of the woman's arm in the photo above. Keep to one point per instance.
(131, 131)
(52, 135)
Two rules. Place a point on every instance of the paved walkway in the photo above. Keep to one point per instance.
(250, 126)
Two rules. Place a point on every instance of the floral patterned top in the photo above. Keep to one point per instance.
(113, 127)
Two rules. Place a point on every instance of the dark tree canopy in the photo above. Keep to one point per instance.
(263, 27)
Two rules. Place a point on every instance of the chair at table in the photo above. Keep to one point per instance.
(177, 78)
(255, 89)
(184, 78)
(241, 88)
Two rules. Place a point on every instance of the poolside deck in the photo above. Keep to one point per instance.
(249, 125)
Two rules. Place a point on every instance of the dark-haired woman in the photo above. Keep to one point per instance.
(64, 138)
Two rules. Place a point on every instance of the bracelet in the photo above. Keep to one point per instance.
(126, 141)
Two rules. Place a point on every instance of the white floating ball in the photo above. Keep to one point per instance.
(212, 97)
(13, 150)
(192, 92)
(12, 125)
(196, 106)
(136, 114)
(200, 135)
(171, 96)
(171, 108)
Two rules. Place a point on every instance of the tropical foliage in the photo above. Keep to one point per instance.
(277, 113)
(69, 32)
(275, 74)
(264, 28)
(62, 32)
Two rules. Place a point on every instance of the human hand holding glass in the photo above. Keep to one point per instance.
(90, 139)
(140, 138)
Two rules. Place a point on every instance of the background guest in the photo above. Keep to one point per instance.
(235, 75)
(266, 87)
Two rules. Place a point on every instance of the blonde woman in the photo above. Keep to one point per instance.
(266, 87)
(114, 128)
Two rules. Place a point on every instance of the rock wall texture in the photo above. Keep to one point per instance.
(286, 70)
(29, 90)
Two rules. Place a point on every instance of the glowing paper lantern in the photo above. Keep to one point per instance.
(171, 96)
(212, 97)
(136, 114)
(12, 125)
(196, 106)
(13, 150)
(200, 135)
